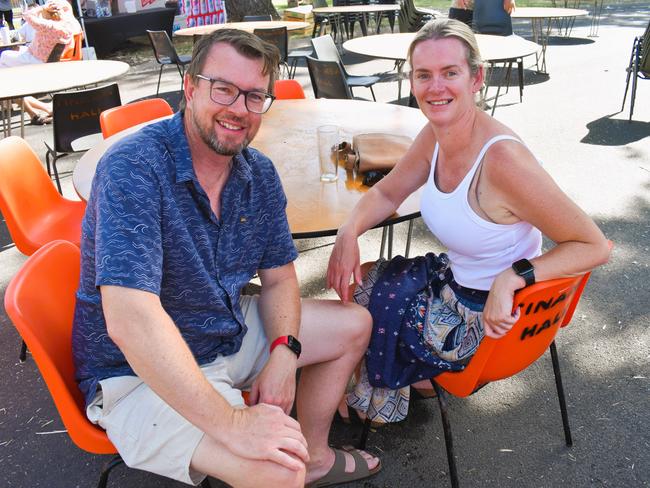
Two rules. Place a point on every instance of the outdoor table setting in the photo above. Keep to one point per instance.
(340, 12)
(288, 136)
(37, 79)
(395, 47)
(542, 19)
(245, 26)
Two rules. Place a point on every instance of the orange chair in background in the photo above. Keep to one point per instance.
(35, 213)
(40, 302)
(545, 307)
(287, 90)
(117, 119)
(74, 53)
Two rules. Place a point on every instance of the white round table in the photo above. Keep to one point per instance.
(35, 79)
(542, 21)
(395, 47)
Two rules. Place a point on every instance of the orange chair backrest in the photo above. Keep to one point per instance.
(545, 307)
(73, 52)
(40, 301)
(26, 193)
(117, 119)
(288, 90)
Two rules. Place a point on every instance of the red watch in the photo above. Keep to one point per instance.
(290, 341)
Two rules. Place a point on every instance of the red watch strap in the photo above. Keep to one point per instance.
(278, 341)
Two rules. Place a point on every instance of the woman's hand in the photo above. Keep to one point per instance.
(344, 263)
(498, 317)
(509, 6)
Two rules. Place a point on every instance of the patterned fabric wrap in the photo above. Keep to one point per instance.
(421, 329)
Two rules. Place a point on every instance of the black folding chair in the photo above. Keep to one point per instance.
(165, 53)
(75, 115)
(325, 50)
(639, 66)
(328, 79)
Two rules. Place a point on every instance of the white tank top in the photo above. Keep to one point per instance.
(478, 250)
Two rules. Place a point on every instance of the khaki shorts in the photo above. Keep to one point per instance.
(148, 433)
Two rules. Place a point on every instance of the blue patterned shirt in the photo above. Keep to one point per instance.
(149, 226)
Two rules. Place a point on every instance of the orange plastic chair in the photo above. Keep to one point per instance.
(40, 302)
(117, 119)
(35, 213)
(74, 53)
(288, 90)
(545, 307)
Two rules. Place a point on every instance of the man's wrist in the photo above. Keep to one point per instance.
(287, 342)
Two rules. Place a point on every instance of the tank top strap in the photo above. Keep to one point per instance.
(477, 163)
(479, 159)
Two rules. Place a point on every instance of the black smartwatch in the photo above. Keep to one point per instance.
(290, 341)
(525, 269)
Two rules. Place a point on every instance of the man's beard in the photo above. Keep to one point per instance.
(210, 138)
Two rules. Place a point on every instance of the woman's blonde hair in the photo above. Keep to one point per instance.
(445, 28)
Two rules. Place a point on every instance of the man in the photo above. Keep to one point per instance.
(181, 215)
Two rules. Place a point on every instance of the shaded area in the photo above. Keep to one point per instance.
(607, 131)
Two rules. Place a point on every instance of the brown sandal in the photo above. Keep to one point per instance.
(337, 474)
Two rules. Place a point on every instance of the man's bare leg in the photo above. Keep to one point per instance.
(334, 336)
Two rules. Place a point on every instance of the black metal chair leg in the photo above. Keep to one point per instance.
(23, 352)
(520, 72)
(635, 76)
(56, 175)
(366, 425)
(159, 76)
(560, 395)
(373, 93)
(446, 427)
(108, 467)
(408, 239)
(384, 231)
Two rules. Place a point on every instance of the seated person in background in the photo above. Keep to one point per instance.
(53, 23)
(493, 17)
(181, 216)
(487, 199)
(462, 10)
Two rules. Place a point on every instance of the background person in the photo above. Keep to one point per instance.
(487, 199)
(52, 23)
(181, 216)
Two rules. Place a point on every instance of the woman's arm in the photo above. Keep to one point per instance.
(517, 181)
(379, 203)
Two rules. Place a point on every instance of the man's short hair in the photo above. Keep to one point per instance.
(245, 43)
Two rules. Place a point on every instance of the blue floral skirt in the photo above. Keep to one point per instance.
(423, 324)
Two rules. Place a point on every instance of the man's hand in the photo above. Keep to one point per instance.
(265, 432)
(498, 317)
(509, 6)
(276, 384)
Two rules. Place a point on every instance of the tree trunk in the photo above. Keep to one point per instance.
(236, 9)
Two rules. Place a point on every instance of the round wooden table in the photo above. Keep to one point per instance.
(288, 137)
(245, 26)
(36, 79)
(395, 47)
(542, 21)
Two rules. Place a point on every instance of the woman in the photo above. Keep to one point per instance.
(487, 199)
(53, 24)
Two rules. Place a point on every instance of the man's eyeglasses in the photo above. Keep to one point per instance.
(225, 93)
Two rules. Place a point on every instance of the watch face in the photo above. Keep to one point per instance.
(294, 344)
(522, 267)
